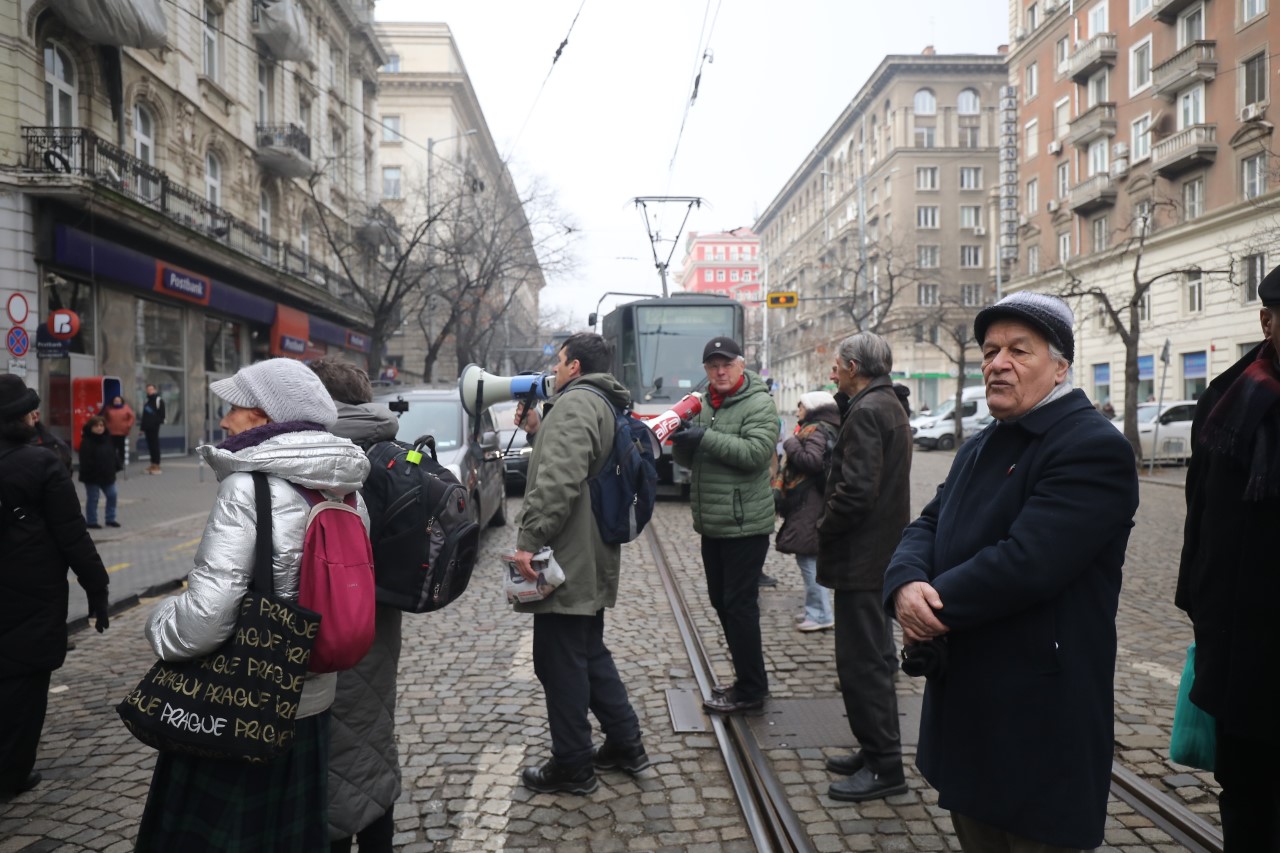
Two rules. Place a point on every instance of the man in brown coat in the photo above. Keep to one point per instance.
(867, 503)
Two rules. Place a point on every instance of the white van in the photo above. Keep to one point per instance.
(937, 429)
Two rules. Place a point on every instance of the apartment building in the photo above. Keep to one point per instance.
(887, 224)
(727, 263)
(162, 193)
(438, 159)
(1147, 121)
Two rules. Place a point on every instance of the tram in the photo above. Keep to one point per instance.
(657, 354)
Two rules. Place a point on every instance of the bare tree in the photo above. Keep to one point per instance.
(949, 328)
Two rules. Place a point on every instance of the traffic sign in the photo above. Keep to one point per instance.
(548, 349)
(782, 299)
(18, 341)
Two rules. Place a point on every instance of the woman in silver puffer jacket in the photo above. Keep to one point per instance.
(278, 423)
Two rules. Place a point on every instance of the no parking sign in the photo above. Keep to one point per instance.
(17, 341)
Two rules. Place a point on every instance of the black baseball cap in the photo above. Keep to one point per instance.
(726, 347)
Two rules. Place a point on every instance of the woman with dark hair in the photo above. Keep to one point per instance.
(98, 471)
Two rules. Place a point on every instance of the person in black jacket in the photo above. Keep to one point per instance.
(1228, 582)
(42, 534)
(98, 471)
(152, 418)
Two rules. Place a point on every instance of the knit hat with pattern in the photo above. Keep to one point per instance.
(1048, 314)
(285, 389)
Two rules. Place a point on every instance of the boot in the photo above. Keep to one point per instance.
(555, 778)
(613, 755)
(867, 784)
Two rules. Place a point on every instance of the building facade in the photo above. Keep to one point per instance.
(439, 162)
(728, 263)
(1146, 142)
(885, 226)
(169, 195)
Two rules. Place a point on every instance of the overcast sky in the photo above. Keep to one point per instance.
(605, 126)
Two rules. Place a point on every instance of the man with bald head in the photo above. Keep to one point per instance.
(1007, 587)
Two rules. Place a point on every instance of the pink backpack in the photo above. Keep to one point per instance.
(336, 581)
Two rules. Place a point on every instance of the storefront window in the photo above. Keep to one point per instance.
(160, 362)
(222, 346)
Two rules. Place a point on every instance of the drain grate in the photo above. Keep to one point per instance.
(814, 723)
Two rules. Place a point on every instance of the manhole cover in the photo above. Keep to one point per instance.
(810, 723)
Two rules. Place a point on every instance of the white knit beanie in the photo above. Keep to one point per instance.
(816, 401)
(285, 389)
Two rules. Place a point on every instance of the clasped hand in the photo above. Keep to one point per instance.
(915, 604)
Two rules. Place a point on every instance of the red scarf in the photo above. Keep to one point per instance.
(717, 399)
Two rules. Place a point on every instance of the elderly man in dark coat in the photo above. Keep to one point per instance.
(866, 504)
(1015, 566)
(42, 534)
(1228, 583)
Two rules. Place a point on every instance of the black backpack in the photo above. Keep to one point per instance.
(425, 542)
(624, 491)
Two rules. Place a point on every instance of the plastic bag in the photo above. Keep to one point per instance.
(521, 591)
(1194, 740)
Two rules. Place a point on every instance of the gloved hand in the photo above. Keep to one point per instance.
(688, 437)
(98, 610)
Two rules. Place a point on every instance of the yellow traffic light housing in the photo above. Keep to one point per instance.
(783, 299)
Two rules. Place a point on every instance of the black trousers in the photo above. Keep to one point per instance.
(153, 443)
(733, 569)
(23, 700)
(578, 675)
(864, 649)
(1250, 801)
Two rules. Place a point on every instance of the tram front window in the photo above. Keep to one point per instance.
(670, 340)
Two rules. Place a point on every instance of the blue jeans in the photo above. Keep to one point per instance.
(817, 601)
(91, 502)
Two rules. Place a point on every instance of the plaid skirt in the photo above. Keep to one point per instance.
(236, 807)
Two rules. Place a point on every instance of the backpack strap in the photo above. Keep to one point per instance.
(262, 578)
(594, 390)
(314, 497)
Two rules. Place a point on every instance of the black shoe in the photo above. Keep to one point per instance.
(768, 580)
(846, 765)
(720, 690)
(113, 524)
(94, 526)
(731, 703)
(613, 756)
(866, 784)
(553, 778)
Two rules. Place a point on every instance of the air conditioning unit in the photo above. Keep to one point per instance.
(1120, 150)
(1052, 206)
(1055, 147)
(979, 231)
(1019, 33)
(1251, 112)
(1119, 168)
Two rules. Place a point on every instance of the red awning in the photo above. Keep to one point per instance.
(290, 332)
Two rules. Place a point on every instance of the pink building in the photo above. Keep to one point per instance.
(728, 264)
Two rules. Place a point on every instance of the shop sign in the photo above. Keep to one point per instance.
(181, 284)
(63, 324)
(47, 346)
(357, 341)
(292, 345)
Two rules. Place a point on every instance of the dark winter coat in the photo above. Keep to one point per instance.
(153, 412)
(97, 458)
(868, 496)
(1228, 583)
(1024, 543)
(806, 454)
(60, 448)
(38, 550)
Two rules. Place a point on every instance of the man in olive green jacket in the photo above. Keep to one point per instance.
(728, 446)
(569, 655)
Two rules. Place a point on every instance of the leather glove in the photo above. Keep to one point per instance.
(688, 437)
(98, 610)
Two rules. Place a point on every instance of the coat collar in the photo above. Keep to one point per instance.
(1042, 419)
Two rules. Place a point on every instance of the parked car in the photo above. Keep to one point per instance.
(516, 449)
(1173, 438)
(937, 430)
(474, 457)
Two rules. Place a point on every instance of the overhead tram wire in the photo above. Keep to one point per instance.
(704, 55)
(536, 98)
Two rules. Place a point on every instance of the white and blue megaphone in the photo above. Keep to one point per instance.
(480, 389)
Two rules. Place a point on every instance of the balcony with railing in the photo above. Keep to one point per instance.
(80, 153)
(1093, 55)
(1167, 11)
(1189, 148)
(284, 149)
(1092, 194)
(1197, 61)
(1095, 123)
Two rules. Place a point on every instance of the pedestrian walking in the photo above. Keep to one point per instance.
(98, 471)
(728, 447)
(799, 488)
(42, 535)
(866, 504)
(364, 767)
(120, 419)
(1007, 587)
(570, 658)
(153, 416)
(1227, 579)
(277, 424)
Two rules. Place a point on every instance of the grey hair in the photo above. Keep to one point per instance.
(1057, 353)
(872, 353)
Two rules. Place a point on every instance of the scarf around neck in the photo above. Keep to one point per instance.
(257, 435)
(717, 399)
(1239, 427)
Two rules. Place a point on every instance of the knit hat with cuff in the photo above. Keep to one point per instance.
(1047, 314)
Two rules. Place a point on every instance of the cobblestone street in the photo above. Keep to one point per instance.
(470, 716)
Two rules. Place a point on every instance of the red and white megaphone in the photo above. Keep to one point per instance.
(666, 423)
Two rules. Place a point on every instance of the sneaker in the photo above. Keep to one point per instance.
(113, 524)
(767, 580)
(809, 625)
(614, 756)
(554, 778)
(801, 618)
(867, 784)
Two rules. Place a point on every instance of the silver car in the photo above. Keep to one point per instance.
(1172, 440)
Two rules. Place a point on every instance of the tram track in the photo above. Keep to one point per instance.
(1175, 819)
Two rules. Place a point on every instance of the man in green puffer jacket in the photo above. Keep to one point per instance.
(570, 658)
(728, 446)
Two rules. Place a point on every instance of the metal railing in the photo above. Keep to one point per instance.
(79, 151)
(284, 136)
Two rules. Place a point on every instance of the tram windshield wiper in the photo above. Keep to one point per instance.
(654, 391)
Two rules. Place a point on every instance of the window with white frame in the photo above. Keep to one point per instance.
(144, 135)
(1193, 287)
(265, 80)
(1138, 8)
(1097, 157)
(1144, 220)
(1254, 79)
(1031, 81)
(1144, 306)
(969, 137)
(1064, 247)
(888, 187)
(391, 128)
(304, 115)
(335, 67)
(1033, 260)
(304, 243)
(1191, 106)
(1098, 88)
(719, 275)
(926, 177)
(927, 294)
(968, 104)
(1253, 176)
(1190, 25)
(1254, 271)
(1062, 54)
(970, 177)
(1140, 66)
(1032, 139)
(927, 216)
(926, 137)
(264, 218)
(971, 295)
(1140, 138)
(1193, 198)
(391, 182)
(212, 179)
(927, 257)
(1100, 230)
(970, 257)
(1033, 16)
(733, 275)
(1098, 19)
(393, 64)
(970, 215)
(61, 97)
(1062, 118)
(1064, 179)
(212, 42)
(708, 275)
(924, 103)
(1033, 196)
(1250, 9)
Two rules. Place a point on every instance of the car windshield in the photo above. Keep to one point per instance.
(504, 416)
(1146, 413)
(944, 408)
(440, 418)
